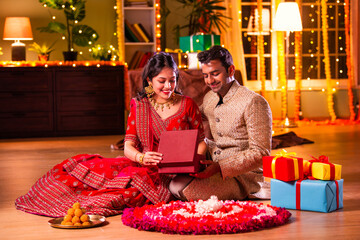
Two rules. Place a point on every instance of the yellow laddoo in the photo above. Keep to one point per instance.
(78, 212)
(68, 218)
(84, 218)
(76, 216)
(75, 219)
(71, 211)
(76, 205)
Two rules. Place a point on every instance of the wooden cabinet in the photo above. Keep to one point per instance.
(26, 102)
(61, 101)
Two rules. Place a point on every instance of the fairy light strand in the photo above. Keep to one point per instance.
(261, 49)
(330, 100)
(281, 69)
(349, 60)
(298, 72)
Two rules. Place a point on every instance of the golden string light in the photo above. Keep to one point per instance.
(298, 75)
(298, 72)
(330, 100)
(158, 26)
(281, 68)
(349, 59)
(261, 48)
(59, 63)
(120, 30)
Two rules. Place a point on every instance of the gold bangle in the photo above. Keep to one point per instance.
(141, 159)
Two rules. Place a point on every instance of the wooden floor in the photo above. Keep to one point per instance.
(23, 161)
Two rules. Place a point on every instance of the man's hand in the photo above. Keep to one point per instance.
(211, 169)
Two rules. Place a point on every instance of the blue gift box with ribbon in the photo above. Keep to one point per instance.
(201, 42)
(311, 195)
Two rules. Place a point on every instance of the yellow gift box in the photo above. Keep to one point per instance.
(322, 169)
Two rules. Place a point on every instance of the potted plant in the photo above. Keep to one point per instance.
(43, 50)
(103, 52)
(72, 31)
(204, 16)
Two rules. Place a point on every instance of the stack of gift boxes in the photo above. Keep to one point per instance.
(186, 56)
(313, 185)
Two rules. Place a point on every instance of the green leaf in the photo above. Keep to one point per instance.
(55, 4)
(83, 34)
(54, 27)
(77, 14)
(208, 11)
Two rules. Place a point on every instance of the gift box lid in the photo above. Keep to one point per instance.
(178, 147)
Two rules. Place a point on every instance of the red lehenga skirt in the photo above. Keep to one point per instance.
(103, 186)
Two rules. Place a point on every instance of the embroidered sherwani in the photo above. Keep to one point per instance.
(241, 129)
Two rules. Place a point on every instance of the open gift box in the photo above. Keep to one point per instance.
(179, 149)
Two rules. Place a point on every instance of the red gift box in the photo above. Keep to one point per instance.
(179, 149)
(283, 166)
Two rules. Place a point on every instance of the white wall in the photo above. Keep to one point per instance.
(100, 15)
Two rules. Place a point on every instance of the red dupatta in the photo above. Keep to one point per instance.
(146, 128)
(144, 124)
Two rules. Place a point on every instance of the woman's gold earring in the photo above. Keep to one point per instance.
(149, 90)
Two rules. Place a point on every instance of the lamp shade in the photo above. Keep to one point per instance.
(253, 26)
(287, 17)
(17, 28)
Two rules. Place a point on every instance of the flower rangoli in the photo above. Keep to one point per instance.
(205, 217)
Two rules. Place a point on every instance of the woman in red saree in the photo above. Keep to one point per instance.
(106, 186)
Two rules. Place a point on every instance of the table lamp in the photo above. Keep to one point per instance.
(17, 28)
(287, 19)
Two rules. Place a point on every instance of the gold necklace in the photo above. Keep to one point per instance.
(157, 105)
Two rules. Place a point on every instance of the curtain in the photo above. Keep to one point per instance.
(232, 38)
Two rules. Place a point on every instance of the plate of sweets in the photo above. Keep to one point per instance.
(76, 217)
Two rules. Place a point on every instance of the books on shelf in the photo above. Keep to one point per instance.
(136, 32)
(140, 31)
(129, 35)
(138, 3)
(136, 36)
(145, 32)
(139, 59)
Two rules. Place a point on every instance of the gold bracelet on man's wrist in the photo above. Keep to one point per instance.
(141, 159)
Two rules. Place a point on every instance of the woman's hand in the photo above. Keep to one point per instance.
(151, 158)
(211, 169)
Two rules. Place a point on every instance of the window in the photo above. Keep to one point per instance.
(313, 74)
(250, 35)
(312, 40)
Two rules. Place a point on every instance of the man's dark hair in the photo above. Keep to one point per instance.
(214, 53)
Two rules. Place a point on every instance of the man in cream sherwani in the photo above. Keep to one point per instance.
(240, 124)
